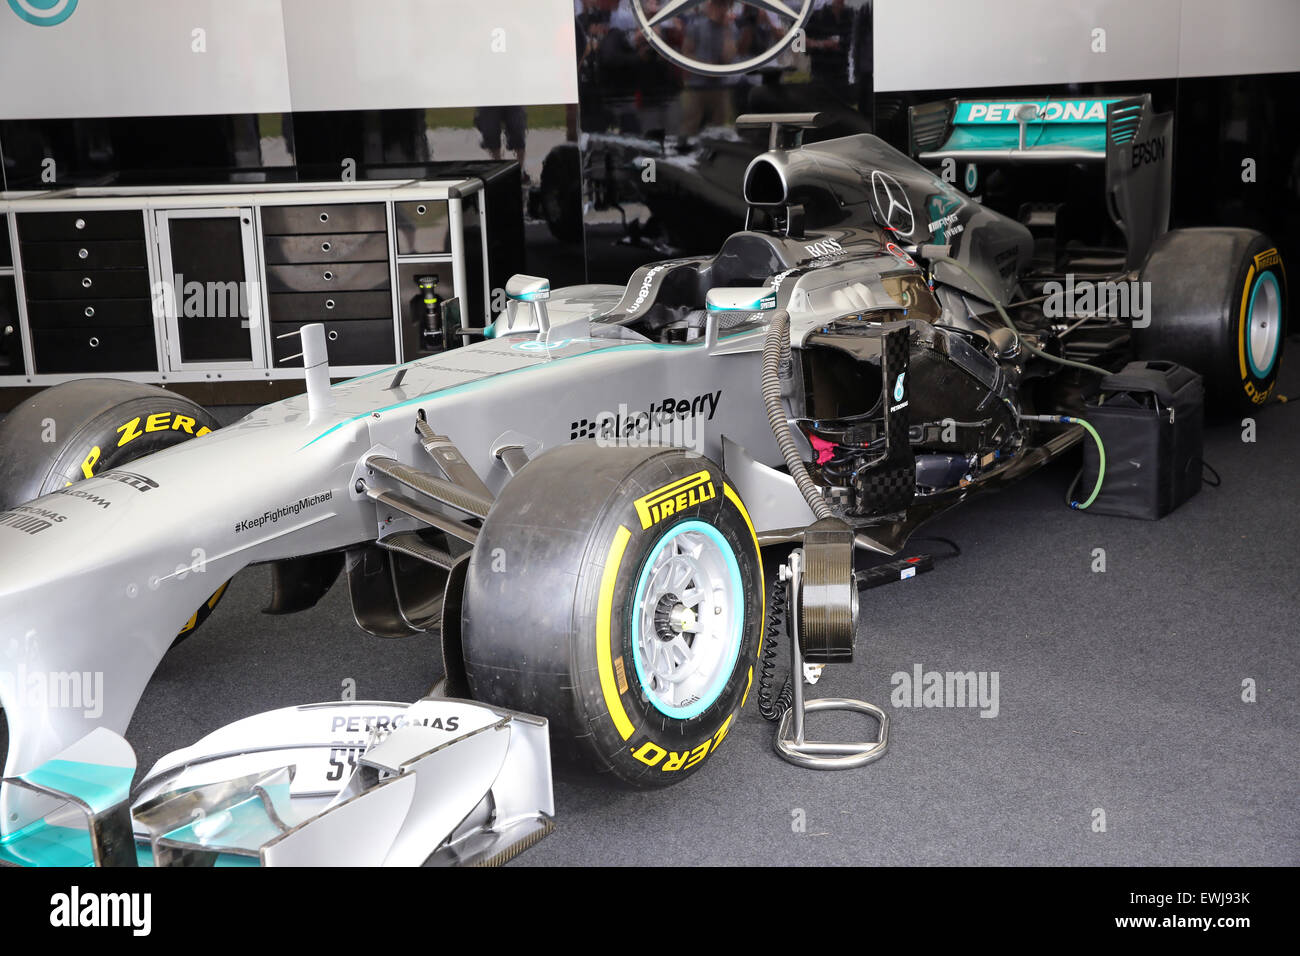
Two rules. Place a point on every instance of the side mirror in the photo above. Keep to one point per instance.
(534, 291)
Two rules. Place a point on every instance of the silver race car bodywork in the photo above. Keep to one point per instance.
(101, 585)
(97, 579)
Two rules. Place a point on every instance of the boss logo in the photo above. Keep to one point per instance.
(827, 247)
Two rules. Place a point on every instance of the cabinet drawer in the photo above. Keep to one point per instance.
(105, 349)
(74, 226)
(79, 256)
(11, 340)
(327, 277)
(348, 217)
(94, 313)
(343, 247)
(91, 284)
(329, 306)
(422, 227)
(347, 343)
(11, 349)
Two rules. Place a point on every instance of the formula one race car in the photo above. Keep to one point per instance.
(580, 501)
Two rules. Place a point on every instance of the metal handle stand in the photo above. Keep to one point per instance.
(790, 741)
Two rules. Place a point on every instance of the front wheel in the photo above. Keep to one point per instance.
(619, 594)
(90, 427)
(561, 192)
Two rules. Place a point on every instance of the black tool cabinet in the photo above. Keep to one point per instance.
(329, 263)
(86, 279)
(123, 281)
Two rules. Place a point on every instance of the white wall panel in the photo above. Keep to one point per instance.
(939, 44)
(392, 54)
(136, 58)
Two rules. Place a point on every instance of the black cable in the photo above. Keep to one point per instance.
(777, 356)
(1006, 319)
(954, 553)
(767, 708)
(1206, 466)
(1069, 492)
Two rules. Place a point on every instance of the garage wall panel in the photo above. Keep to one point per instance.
(1021, 42)
(956, 44)
(401, 54)
(114, 58)
(144, 58)
(1239, 38)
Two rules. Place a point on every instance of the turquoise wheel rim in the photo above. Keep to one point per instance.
(688, 617)
(1264, 318)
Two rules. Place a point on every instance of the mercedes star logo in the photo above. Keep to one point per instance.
(891, 203)
(795, 11)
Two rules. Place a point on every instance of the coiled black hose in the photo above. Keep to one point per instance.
(776, 356)
(767, 708)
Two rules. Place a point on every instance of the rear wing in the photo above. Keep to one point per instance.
(1134, 142)
(1045, 130)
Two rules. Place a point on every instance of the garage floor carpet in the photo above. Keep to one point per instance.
(1119, 695)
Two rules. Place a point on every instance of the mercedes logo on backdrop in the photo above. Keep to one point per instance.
(796, 12)
(43, 13)
(891, 203)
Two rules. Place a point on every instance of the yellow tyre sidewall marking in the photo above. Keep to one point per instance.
(156, 423)
(210, 603)
(605, 632)
(1241, 324)
(762, 584)
(88, 466)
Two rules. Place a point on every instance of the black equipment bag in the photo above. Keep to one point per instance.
(1150, 417)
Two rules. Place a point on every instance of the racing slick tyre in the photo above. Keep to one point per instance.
(618, 592)
(85, 428)
(560, 192)
(1218, 305)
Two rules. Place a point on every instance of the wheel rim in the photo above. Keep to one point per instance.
(1264, 313)
(688, 617)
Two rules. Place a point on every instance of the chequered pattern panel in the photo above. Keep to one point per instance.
(891, 484)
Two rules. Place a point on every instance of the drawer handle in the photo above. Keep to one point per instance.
(80, 224)
(82, 253)
(324, 217)
(329, 303)
(325, 247)
(332, 336)
(94, 342)
(86, 283)
(90, 311)
(421, 209)
(328, 275)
